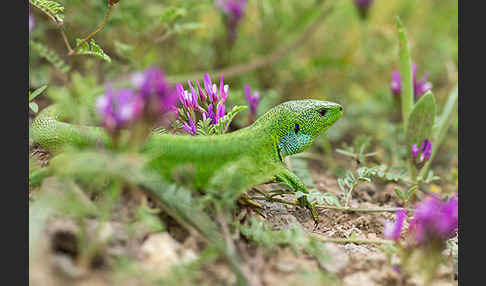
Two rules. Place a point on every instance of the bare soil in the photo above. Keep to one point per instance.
(58, 260)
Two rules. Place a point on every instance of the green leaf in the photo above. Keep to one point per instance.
(159, 130)
(421, 121)
(223, 123)
(315, 195)
(50, 56)
(442, 125)
(205, 128)
(91, 49)
(405, 68)
(37, 92)
(446, 118)
(53, 9)
(400, 194)
(34, 107)
(341, 185)
(299, 194)
(411, 191)
(331, 199)
(172, 14)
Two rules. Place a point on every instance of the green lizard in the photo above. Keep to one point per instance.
(286, 129)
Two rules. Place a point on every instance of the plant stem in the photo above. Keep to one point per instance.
(349, 240)
(331, 207)
(348, 194)
(107, 16)
(66, 41)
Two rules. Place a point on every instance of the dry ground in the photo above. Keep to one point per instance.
(58, 261)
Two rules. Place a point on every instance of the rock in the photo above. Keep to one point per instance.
(359, 278)
(336, 258)
(284, 222)
(351, 247)
(160, 252)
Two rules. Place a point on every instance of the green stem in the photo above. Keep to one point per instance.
(349, 240)
(107, 16)
(331, 207)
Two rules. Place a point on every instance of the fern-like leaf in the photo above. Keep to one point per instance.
(204, 127)
(91, 49)
(52, 9)
(50, 56)
(223, 123)
(159, 130)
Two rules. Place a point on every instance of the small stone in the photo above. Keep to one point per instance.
(337, 259)
(351, 247)
(160, 252)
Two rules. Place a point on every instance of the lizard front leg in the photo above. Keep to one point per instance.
(291, 179)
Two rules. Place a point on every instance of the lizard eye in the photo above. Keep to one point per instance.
(297, 128)
(322, 112)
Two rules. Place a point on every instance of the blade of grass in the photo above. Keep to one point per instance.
(405, 67)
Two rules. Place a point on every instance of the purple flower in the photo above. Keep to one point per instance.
(155, 91)
(206, 102)
(210, 114)
(220, 112)
(118, 108)
(419, 88)
(363, 7)
(211, 89)
(392, 230)
(396, 85)
(31, 20)
(435, 219)
(223, 90)
(190, 127)
(234, 10)
(201, 93)
(188, 100)
(425, 149)
(253, 100)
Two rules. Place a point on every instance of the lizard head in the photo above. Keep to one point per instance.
(297, 123)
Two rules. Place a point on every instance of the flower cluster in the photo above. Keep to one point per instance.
(363, 7)
(151, 98)
(156, 92)
(253, 101)
(392, 230)
(419, 87)
(206, 102)
(31, 20)
(434, 220)
(234, 11)
(118, 108)
(425, 151)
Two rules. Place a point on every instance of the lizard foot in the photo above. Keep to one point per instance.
(245, 200)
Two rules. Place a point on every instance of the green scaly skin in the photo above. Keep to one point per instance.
(286, 129)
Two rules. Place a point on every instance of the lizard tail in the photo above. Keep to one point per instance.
(52, 134)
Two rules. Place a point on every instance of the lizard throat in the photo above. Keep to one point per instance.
(293, 143)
